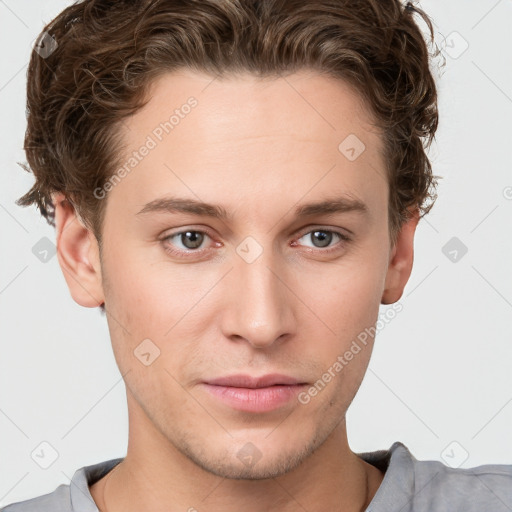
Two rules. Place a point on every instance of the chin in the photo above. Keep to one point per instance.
(256, 460)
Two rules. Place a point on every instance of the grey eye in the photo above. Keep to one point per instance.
(324, 238)
(191, 239)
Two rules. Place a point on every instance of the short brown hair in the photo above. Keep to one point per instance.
(108, 52)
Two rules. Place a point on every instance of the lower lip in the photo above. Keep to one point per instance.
(257, 399)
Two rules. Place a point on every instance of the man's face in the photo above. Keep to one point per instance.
(262, 291)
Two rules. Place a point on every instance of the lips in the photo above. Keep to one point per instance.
(254, 394)
(247, 381)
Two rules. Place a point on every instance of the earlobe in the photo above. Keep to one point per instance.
(78, 255)
(401, 261)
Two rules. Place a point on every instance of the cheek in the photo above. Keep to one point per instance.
(349, 301)
(156, 302)
(132, 302)
(350, 310)
(349, 305)
(149, 295)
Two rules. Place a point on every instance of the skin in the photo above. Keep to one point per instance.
(259, 149)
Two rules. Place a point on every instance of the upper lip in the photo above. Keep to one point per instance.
(248, 381)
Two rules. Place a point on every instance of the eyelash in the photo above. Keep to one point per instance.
(194, 252)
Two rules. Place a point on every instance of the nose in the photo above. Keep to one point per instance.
(260, 307)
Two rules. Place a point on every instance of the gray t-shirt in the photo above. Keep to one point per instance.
(409, 485)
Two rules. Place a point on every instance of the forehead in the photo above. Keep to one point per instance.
(303, 105)
(290, 134)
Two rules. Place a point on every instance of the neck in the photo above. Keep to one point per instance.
(154, 475)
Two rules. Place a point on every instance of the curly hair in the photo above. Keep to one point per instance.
(109, 51)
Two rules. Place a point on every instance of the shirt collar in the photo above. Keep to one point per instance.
(396, 464)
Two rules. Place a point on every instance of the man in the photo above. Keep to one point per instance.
(237, 185)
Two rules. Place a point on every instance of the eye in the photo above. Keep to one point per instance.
(190, 239)
(192, 242)
(186, 242)
(323, 238)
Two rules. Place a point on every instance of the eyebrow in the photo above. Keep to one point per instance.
(340, 204)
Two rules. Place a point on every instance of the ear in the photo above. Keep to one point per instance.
(400, 260)
(78, 255)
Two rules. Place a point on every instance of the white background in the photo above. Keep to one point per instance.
(440, 371)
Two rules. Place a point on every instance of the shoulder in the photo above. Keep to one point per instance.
(428, 485)
(57, 501)
(72, 497)
(487, 487)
